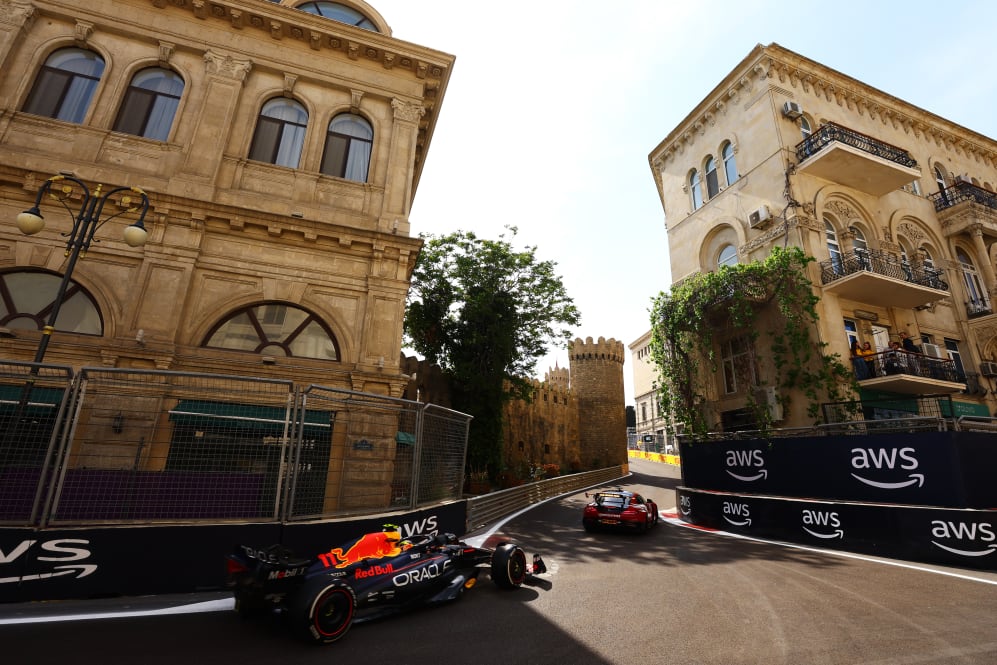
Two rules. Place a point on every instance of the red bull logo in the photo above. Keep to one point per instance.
(369, 546)
(373, 571)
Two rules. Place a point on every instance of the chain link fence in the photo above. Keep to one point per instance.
(33, 401)
(147, 446)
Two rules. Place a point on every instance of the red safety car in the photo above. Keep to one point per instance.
(619, 509)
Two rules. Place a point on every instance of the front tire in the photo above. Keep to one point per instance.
(322, 611)
(508, 566)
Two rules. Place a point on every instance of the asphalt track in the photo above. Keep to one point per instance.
(675, 595)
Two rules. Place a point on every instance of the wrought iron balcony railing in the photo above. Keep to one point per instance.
(831, 132)
(978, 307)
(962, 192)
(887, 363)
(881, 263)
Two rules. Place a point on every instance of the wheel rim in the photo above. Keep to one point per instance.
(333, 611)
(517, 567)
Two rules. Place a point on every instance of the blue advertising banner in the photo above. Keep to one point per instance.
(942, 469)
(48, 564)
(965, 538)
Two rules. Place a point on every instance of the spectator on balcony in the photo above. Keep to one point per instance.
(893, 361)
(868, 355)
(858, 362)
(908, 344)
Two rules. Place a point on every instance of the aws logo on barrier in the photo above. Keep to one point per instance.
(750, 465)
(822, 523)
(973, 538)
(738, 514)
(685, 505)
(879, 462)
(64, 554)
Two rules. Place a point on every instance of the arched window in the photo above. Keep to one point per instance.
(976, 294)
(859, 242)
(730, 164)
(712, 179)
(727, 256)
(805, 128)
(833, 248)
(150, 104)
(277, 329)
(926, 260)
(27, 299)
(347, 148)
(280, 133)
(338, 12)
(65, 85)
(695, 190)
(939, 178)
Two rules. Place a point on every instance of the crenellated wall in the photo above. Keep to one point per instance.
(576, 419)
(597, 380)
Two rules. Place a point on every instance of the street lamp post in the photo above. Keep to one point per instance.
(85, 224)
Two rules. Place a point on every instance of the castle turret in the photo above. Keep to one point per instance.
(557, 377)
(597, 382)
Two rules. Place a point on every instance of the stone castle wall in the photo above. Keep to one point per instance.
(576, 420)
(597, 380)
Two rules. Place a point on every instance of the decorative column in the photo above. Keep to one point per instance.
(986, 268)
(15, 17)
(215, 117)
(401, 165)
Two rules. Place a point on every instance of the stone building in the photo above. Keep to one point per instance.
(896, 205)
(280, 148)
(576, 419)
(651, 423)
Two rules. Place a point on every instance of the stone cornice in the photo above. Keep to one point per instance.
(779, 68)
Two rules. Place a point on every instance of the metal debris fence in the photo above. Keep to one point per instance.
(107, 446)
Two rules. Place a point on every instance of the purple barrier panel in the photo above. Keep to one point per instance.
(17, 493)
(103, 494)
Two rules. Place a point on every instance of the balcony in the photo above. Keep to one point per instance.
(977, 307)
(908, 373)
(844, 156)
(963, 205)
(877, 278)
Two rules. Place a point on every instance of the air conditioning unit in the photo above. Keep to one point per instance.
(933, 350)
(759, 218)
(792, 110)
(988, 368)
(769, 398)
(963, 179)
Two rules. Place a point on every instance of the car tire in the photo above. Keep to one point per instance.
(322, 610)
(588, 526)
(508, 566)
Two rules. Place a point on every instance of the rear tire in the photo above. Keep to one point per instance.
(508, 566)
(322, 610)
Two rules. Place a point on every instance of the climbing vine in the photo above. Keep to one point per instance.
(739, 300)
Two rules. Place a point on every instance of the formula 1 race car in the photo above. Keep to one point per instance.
(370, 577)
(619, 509)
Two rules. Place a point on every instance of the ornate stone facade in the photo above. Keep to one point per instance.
(785, 151)
(225, 232)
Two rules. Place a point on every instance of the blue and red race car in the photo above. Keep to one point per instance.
(619, 509)
(374, 575)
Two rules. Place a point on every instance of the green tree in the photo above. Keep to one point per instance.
(733, 298)
(485, 313)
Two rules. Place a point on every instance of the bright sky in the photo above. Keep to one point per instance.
(554, 105)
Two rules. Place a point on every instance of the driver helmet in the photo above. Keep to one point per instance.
(392, 533)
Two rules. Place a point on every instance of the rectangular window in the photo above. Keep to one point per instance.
(738, 361)
(952, 349)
